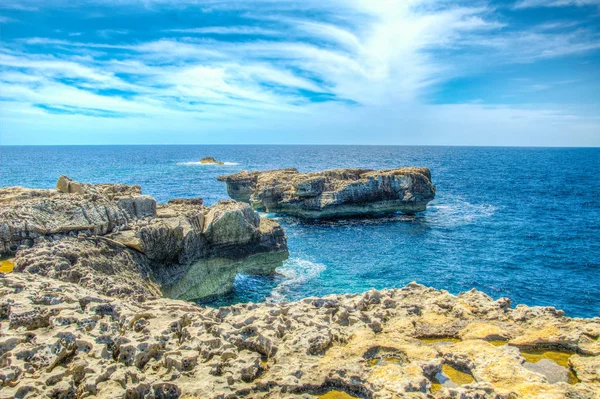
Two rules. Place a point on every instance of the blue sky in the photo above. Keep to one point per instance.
(414, 72)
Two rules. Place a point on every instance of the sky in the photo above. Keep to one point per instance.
(406, 72)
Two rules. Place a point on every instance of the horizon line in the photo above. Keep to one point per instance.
(304, 145)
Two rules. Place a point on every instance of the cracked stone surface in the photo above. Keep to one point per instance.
(59, 340)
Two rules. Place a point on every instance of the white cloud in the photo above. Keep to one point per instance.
(106, 33)
(555, 3)
(378, 59)
(228, 30)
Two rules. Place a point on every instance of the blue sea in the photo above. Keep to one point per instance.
(522, 223)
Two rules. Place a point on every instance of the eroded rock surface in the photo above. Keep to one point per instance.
(59, 339)
(113, 239)
(333, 193)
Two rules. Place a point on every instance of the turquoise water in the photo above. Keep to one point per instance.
(516, 222)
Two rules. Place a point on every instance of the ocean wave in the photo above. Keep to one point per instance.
(197, 163)
(268, 215)
(295, 271)
(456, 210)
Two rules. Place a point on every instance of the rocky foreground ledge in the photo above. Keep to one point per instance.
(333, 193)
(62, 340)
(113, 239)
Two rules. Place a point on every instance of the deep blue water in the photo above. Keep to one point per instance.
(516, 222)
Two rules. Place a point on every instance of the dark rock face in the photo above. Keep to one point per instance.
(334, 193)
(121, 243)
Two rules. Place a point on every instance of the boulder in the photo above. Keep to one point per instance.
(333, 193)
(231, 222)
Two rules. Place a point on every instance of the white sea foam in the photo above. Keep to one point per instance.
(197, 163)
(457, 210)
(296, 271)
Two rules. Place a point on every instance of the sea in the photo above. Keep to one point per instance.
(522, 223)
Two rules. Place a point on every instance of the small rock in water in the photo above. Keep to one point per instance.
(210, 160)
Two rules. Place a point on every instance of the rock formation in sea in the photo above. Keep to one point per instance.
(333, 193)
(113, 239)
(211, 160)
(64, 340)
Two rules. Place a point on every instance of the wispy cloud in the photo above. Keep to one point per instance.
(326, 61)
(555, 3)
(5, 20)
(228, 30)
(106, 33)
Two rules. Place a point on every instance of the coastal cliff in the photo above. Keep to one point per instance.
(333, 193)
(64, 340)
(112, 238)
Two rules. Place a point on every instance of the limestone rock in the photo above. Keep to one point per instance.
(186, 201)
(113, 239)
(210, 160)
(333, 193)
(59, 339)
(29, 215)
(92, 262)
(586, 368)
(67, 185)
(231, 222)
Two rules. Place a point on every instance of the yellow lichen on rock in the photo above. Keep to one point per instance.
(456, 376)
(398, 379)
(6, 266)
(499, 366)
(336, 395)
(435, 319)
(441, 340)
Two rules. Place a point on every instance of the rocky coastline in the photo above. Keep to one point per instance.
(89, 312)
(114, 239)
(64, 340)
(333, 193)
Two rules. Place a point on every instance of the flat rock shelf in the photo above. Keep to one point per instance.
(61, 340)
